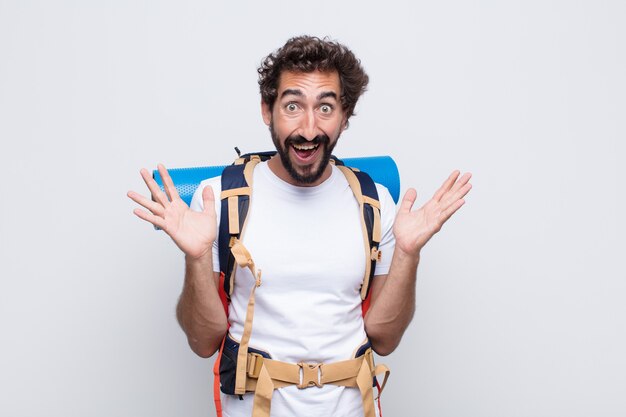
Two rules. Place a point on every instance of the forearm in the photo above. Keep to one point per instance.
(394, 304)
(200, 311)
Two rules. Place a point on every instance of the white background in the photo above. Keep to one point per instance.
(520, 298)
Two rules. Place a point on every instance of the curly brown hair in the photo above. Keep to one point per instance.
(307, 54)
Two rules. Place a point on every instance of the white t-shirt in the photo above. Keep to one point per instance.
(308, 242)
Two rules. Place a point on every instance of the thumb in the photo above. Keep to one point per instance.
(208, 199)
(408, 200)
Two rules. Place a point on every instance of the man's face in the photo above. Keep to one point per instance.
(305, 121)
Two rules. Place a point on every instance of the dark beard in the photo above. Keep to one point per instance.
(308, 175)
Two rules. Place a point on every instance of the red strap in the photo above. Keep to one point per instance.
(380, 410)
(365, 305)
(216, 367)
(216, 381)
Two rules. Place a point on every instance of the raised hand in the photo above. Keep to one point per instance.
(193, 232)
(413, 229)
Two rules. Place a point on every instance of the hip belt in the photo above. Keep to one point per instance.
(264, 375)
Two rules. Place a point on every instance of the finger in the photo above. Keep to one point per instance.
(462, 192)
(459, 194)
(150, 218)
(461, 182)
(168, 184)
(154, 188)
(447, 213)
(446, 185)
(208, 199)
(153, 206)
(408, 200)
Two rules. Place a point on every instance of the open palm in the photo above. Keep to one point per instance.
(193, 232)
(413, 229)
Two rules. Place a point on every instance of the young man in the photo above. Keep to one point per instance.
(304, 232)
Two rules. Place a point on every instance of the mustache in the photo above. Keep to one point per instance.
(301, 140)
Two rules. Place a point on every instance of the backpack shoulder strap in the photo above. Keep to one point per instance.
(365, 192)
(235, 201)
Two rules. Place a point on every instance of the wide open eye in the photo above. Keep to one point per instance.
(291, 107)
(326, 108)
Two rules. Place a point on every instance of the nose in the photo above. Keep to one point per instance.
(309, 126)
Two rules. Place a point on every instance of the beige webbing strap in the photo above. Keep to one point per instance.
(266, 375)
(376, 230)
(233, 207)
(377, 371)
(263, 394)
(364, 382)
(247, 171)
(244, 260)
(371, 201)
(233, 215)
(355, 185)
(235, 192)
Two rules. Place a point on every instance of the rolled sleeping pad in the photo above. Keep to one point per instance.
(382, 169)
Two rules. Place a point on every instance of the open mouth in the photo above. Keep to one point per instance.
(305, 151)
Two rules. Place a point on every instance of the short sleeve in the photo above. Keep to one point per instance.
(197, 204)
(388, 241)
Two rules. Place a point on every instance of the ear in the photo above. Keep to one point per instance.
(266, 112)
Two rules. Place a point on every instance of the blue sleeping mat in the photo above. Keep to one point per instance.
(382, 169)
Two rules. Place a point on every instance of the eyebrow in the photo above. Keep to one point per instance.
(299, 93)
(292, 92)
(326, 94)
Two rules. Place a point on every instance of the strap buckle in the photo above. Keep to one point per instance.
(311, 375)
(255, 362)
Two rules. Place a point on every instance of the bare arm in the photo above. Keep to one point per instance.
(393, 295)
(199, 312)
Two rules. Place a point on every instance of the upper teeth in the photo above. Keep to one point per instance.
(305, 147)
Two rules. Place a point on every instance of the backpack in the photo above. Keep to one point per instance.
(236, 182)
